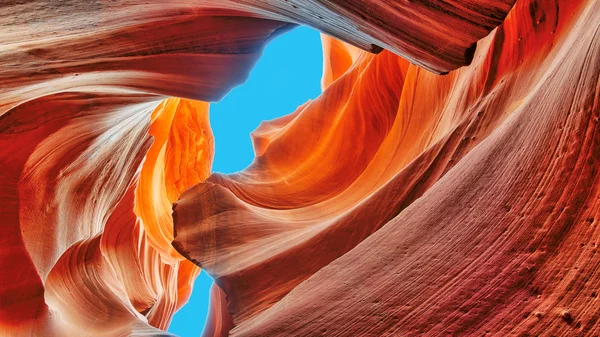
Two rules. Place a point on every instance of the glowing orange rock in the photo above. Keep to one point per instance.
(399, 202)
(420, 204)
(79, 83)
(96, 270)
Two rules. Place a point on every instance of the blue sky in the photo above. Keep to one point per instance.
(287, 75)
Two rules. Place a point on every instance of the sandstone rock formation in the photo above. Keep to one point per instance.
(400, 202)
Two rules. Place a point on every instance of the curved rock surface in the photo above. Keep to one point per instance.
(462, 204)
(399, 202)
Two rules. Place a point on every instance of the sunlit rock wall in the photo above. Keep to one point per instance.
(398, 202)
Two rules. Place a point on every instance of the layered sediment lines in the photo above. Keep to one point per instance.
(398, 202)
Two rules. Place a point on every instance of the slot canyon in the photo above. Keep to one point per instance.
(445, 181)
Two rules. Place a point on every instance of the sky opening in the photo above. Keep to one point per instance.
(287, 75)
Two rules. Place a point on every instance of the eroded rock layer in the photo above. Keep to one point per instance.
(421, 204)
(399, 202)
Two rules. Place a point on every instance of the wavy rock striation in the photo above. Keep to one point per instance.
(420, 204)
(399, 202)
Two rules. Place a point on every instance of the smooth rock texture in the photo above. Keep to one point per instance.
(420, 204)
(400, 202)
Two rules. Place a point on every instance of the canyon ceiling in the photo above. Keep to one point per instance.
(445, 182)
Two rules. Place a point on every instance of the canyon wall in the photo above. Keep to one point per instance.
(444, 182)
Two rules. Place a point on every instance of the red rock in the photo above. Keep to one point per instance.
(399, 202)
(461, 211)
